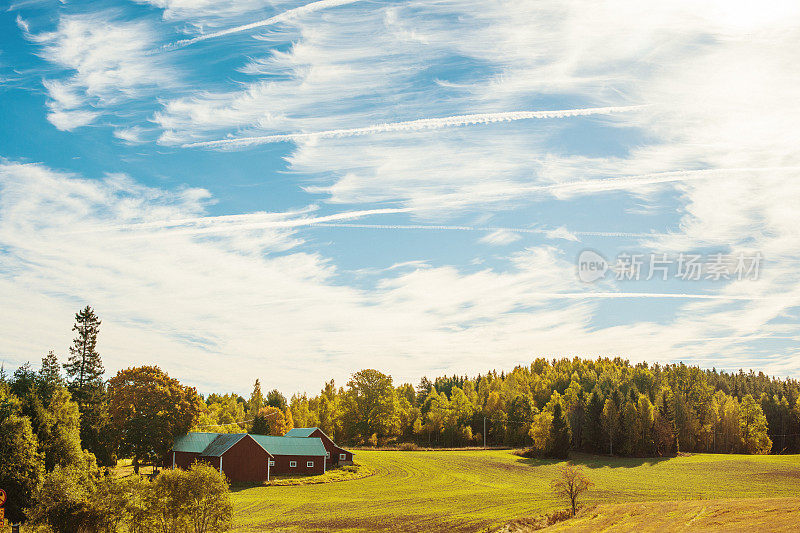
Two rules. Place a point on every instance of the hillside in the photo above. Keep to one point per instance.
(767, 514)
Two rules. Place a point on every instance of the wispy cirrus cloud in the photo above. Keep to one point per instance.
(285, 16)
(203, 300)
(104, 62)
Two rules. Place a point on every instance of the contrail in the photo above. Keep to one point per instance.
(245, 221)
(626, 182)
(283, 17)
(538, 231)
(413, 125)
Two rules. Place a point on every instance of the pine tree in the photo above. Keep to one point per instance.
(85, 368)
(49, 377)
(592, 423)
(276, 399)
(256, 399)
(559, 431)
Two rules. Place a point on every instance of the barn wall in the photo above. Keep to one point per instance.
(182, 460)
(332, 448)
(281, 466)
(337, 451)
(329, 446)
(245, 461)
(213, 461)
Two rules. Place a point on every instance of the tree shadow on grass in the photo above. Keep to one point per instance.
(238, 487)
(596, 461)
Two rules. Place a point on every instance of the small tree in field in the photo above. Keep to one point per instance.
(571, 483)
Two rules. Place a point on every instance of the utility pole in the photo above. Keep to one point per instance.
(484, 432)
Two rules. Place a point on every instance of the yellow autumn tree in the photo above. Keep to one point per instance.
(269, 421)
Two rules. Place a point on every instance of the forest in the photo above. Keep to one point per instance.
(606, 406)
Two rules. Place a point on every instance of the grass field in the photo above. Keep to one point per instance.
(478, 490)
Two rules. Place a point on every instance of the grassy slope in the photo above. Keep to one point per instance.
(763, 514)
(476, 490)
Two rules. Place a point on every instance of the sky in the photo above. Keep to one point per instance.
(294, 191)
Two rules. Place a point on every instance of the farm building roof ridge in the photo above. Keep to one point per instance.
(290, 446)
(216, 444)
(222, 443)
(194, 442)
(301, 432)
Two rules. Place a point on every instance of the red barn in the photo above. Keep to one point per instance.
(250, 458)
(335, 454)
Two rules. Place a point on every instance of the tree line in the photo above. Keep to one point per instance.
(605, 405)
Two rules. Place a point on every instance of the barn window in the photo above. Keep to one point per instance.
(343, 457)
(328, 455)
(272, 463)
(292, 464)
(309, 464)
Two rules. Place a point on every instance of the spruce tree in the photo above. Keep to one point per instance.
(592, 431)
(85, 368)
(256, 399)
(49, 377)
(559, 432)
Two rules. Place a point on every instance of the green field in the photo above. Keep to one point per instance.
(478, 490)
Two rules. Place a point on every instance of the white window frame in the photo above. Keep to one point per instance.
(292, 464)
(343, 457)
(328, 455)
(271, 462)
(309, 464)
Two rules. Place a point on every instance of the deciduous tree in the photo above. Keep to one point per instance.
(21, 465)
(269, 421)
(610, 421)
(369, 403)
(149, 410)
(571, 483)
(753, 424)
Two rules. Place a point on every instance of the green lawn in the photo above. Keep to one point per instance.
(477, 490)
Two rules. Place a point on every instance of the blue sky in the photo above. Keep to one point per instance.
(298, 190)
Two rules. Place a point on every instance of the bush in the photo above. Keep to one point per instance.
(408, 447)
(73, 499)
(559, 516)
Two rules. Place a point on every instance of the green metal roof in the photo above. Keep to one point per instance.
(194, 442)
(300, 432)
(216, 444)
(222, 443)
(290, 446)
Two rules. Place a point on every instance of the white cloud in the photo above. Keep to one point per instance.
(205, 9)
(219, 310)
(131, 135)
(285, 16)
(105, 60)
(500, 238)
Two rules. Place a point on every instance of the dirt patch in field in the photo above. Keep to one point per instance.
(780, 474)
